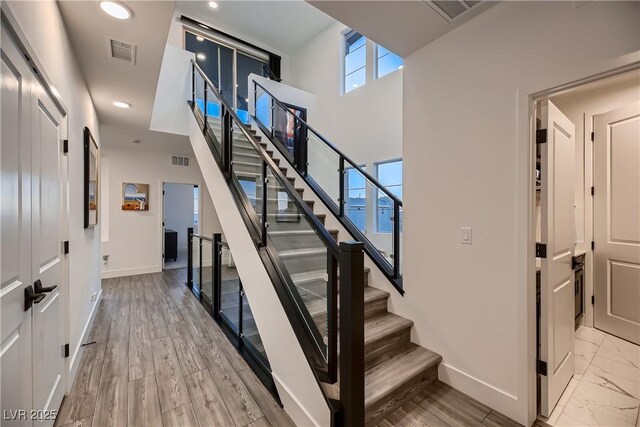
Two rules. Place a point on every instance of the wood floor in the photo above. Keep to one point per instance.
(160, 360)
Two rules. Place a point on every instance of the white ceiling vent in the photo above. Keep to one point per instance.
(122, 50)
(179, 161)
(451, 9)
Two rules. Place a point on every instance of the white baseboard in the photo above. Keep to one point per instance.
(108, 274)
(74, 362)
(493, 397)
(292, 406)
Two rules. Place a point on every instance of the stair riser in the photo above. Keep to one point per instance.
(376, 307)
(409, 390)
(275, 225)
(303, 263)
(297, 241)
(378, 351)
(245, 156)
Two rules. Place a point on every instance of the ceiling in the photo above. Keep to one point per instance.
(401, 26)
(111, 79)
(275, 25)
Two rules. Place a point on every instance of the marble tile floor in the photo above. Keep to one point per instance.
(605, 390)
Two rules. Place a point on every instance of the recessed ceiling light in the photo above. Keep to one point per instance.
(117, 10)
(213, 4)
(200, 38)
(121, 104)
(201, 56)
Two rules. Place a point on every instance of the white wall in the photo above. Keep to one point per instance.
(42, 25)
(135, 238)
(467, 163)
(365, 123)
(178, 210)
(580, 106)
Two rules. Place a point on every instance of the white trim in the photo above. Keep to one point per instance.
(108, 274)
(292, 406)
(74, 361)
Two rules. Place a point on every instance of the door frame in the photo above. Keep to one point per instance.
(197, 230)
(526, 225)
(23, 45)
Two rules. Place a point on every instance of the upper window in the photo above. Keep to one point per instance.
(390, 176)
(355, 60)
(356, 203)
(386, 62)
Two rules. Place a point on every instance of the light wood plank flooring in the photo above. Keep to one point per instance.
(160, 360)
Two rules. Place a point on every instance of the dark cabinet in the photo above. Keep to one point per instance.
(578, 266)
(170, 245)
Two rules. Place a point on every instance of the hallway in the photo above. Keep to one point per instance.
(159, 359)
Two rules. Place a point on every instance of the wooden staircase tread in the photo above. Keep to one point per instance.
(370, 294)
(380, 326)
(386, 378)
(373, 294)
(298, 232)
(302, 252)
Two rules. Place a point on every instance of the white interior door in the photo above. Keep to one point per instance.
(15, 236)
(557, 276)
(616, 222)
(46, 249)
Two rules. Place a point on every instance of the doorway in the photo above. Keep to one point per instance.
(587, 210)
(180, 211)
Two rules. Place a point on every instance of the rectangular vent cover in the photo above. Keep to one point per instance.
(179, 161)
(450, 9)
(122, 50)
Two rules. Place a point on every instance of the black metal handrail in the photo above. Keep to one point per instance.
(391, 270)
(347, 256)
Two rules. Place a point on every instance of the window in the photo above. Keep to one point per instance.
(195, 205)
(390, 176)
(355, 60)
(356, 200)
(386, 62)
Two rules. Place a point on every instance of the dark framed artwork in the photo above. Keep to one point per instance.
(91, 180)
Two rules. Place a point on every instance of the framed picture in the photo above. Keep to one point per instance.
(135, 197)
(91, 180)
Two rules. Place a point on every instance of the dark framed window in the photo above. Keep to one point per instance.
(355, 61)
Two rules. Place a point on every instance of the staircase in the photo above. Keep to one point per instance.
(395, 368)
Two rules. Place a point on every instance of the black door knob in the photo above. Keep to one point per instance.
(38, 288)
(31, 297)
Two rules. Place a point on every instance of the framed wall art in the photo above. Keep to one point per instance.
(91, 180)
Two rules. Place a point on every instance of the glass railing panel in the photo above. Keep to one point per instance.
(250, 330)
(195, 262)
(303, 255)
(246, 170)
(263, 110)
(214, 117)
(229, 290)
(398, 257)
(323, 167)
(358, 205)
(284, 129)
(199, 93)
(206, 271)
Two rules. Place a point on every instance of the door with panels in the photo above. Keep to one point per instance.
(616, 216)
(557, 299)
(32, 288)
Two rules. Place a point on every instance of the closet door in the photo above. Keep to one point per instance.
(15, 236)
(46, 249)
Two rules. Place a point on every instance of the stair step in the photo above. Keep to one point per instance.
(391, 383)
(382, 333)
(375, 300)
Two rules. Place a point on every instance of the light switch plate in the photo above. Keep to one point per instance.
(465, 235)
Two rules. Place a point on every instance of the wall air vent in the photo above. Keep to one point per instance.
(451, 9)
(122, 50)
(179, 161)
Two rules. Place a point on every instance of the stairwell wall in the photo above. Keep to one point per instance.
(468, 91)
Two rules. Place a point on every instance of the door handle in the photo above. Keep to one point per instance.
(31, 297)
(38, 288)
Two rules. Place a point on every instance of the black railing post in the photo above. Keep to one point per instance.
(341, 201)
(193, 83)
(190, 257)
(264, 223)
(352, 333)
(217, 267)
(205, 103)
(225, 122)
(200, 282)
(396, 239)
